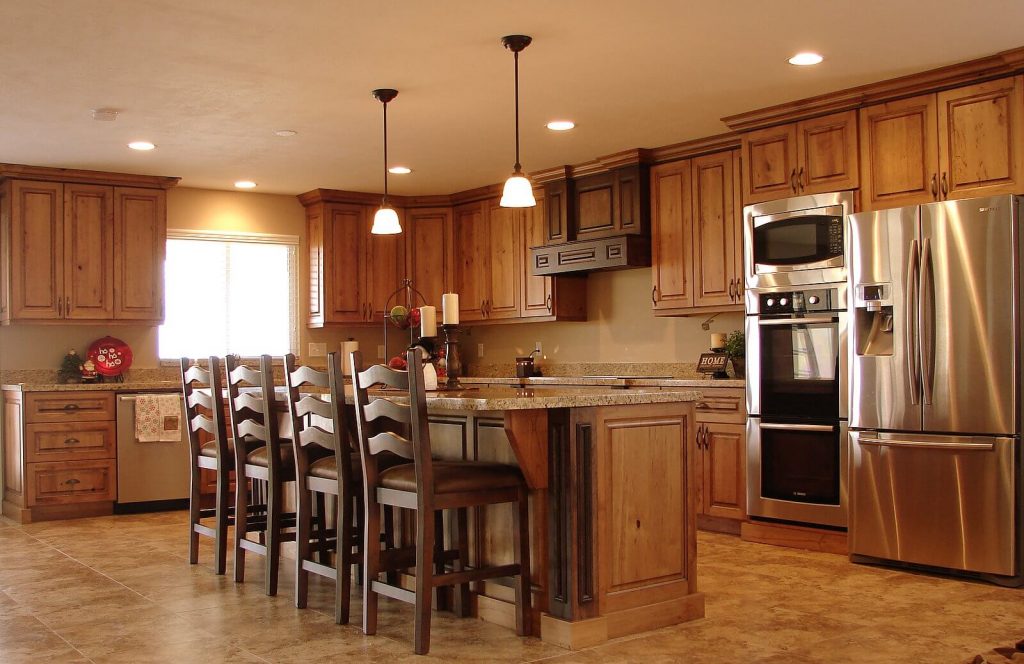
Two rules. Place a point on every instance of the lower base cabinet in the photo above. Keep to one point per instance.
(720, 446)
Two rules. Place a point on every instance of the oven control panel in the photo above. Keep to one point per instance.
(796, 302)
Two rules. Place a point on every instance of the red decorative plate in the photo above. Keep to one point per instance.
(111, 356)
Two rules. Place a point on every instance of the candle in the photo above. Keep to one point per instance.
(717, 340)
(428, 321)
(347, 348)
(450, 309)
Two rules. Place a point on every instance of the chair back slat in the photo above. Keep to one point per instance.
(319, 419)
(385, 408)
(309, 376)
(314, 435)
(196, 374)
(251, 429)
(387, 441)
(203, 399)
(203, 394)
(203, 423)
(311, 405)
(244, 374)
(379, 374)
(251, 401)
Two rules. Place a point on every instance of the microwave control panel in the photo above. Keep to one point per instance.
(835, 236)
(798, 302)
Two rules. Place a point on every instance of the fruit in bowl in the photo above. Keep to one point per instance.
(398, 363)
(399, 315)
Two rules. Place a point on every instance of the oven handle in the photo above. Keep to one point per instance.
(799, 321)
(926, 445)
(798, 427)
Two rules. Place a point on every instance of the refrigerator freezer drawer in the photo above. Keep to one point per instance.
(944, 501)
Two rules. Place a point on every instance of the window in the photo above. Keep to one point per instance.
(229, 294)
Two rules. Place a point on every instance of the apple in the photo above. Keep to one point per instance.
(398, 363)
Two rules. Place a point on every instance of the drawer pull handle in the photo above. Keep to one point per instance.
(71, 441)
(71, 406)
(703, 405)
(73, 481)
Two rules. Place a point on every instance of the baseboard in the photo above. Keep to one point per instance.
(151, 506)
(580, 634)
(795, 537)
(57, 512)
(717, 524)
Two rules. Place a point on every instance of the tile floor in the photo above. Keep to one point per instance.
(119, 589)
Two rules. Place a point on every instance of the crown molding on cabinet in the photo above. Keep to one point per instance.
(47, 174)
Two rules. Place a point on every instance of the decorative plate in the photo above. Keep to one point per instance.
(111, 356)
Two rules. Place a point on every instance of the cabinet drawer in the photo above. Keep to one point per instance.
(43, 407)
(71, 482)
(73, 441)
(721, 406)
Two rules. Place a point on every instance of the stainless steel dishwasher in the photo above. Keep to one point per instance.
(149, 475)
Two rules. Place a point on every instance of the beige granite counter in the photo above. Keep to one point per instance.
(604, 381)
(512, 398)
(127, 386)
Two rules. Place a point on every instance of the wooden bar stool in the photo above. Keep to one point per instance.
(427, 486)
(261, 456)
(202, 390)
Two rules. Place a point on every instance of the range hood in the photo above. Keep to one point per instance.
(597, 215)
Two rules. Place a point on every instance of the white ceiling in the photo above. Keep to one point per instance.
(210, 81)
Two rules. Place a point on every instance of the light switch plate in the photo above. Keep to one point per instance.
(380, 351)
(479, 350)
(317, 350)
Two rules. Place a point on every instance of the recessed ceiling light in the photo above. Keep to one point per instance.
(561, 125)
(245, 184)
(400, 170)
(104, 114)
(806, 58)
(285, 132)
(141, 145)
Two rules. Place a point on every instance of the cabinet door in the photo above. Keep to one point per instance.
(769, 163)
(714, 230)
(140, 240)
(471, 255)
(430, 252)
(37, 250)
(725, 470)
(827, 153)
(314, 246)
(88, 252)
(898, 153)
(537, 295)
(385, 268)
(596, 214)
(5, 254)
(671, 236)
(981, 145)
(345, 229)
(506, 266)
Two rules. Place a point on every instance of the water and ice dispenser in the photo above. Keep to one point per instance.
(873, 320)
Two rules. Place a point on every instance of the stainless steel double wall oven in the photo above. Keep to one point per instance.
(796, 331)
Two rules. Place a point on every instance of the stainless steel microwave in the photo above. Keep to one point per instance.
(796, 241)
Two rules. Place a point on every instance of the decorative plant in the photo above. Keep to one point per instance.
(735, 344)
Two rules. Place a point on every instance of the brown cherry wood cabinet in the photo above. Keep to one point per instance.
(430, 252)
(959, 143)
(547, 298)
(695, 235)
(720, 444)
(807, 157)
(472, 266)
(82, 250)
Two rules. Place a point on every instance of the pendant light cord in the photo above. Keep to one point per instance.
(518, 167)
(385, 202)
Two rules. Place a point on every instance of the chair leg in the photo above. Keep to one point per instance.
(344, 560)
(442, 594)
(323, 552)
(371, 563)
(193, 517)
(220, 541)
(359, 521)
(424, 579)
(391, 539)
(303, 522)
(521, 543)
(462, 535)
(241, 522)
(274, 491)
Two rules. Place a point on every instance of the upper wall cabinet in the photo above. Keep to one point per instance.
(958, 143)
(611, 203)
(430, 252)
(807, 157)
(81, 250)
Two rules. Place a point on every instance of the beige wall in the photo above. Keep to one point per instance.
(621, 326)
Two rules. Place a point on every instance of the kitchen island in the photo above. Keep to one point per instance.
(612, 503)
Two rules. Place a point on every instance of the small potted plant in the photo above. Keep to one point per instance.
(735, 349)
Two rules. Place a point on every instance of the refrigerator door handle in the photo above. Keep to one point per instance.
(926, 445)
(926, 295)
(910, 339)
(798, 427)
(817, 320)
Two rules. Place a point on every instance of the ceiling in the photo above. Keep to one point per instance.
(210, 81)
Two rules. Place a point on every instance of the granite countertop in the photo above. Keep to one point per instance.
(127, 386)
(512, 398)
(605, 381)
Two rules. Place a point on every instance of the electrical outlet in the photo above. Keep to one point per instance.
(538, 348)
(479, 350)
(317, 350)
(380, 351)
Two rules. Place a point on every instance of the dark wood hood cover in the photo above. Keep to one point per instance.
(612, 253)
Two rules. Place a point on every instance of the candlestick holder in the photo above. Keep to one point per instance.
(453, 361)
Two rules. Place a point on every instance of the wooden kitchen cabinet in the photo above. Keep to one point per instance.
(696, 241)
(959, 143)
(547, 298)
(385, 269)
(720, 444)
(807, 157)
(82, 249)
(430, 252)
(505, 261)
(612, 203)
(472, 249)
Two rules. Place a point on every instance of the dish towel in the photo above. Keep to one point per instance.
(158, 418)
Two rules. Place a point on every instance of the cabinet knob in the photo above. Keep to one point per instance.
(654, 295)
(548, 302)
(73, 481)
(71, 441)
(71, 407)
(935, 186)
(800, 178)
(945, 185)
(792, 180)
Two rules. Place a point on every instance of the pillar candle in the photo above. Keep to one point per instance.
(450, 309)
(347, 348)
(428, 321)
(718, 340)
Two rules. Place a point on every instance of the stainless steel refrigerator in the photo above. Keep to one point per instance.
(935, 386)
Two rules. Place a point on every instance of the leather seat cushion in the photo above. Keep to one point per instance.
(258, 457)
(209, 449)
(455, 477)
(327, 467)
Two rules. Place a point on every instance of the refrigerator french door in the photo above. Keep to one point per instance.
(935, 393)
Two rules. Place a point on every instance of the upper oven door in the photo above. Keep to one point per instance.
(797, 241)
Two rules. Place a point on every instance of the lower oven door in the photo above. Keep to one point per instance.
(943, 501)
(797, 472)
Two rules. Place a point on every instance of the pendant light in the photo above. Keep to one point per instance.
(385, 221)
(518, 192)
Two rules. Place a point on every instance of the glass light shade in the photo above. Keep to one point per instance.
(385, 222)
(518, 192)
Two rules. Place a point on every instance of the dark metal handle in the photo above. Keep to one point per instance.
(935, 185)
(925, 444)
(911, 344)
(73, 481)
(945, 185)
(792, 180)
(549, 302)
(927, 324)
(71, 406)
(654, 295)
(707, 437)
(60, 305)
(732, 289)
(71, 441)
(800, 178)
